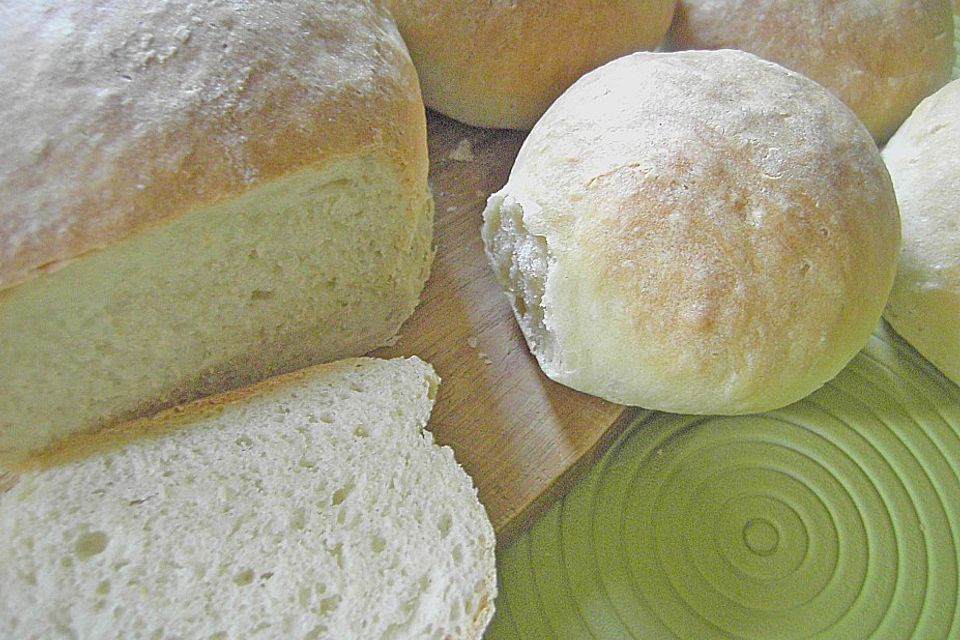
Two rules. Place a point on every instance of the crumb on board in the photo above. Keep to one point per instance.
(472, 342)
(463, 152)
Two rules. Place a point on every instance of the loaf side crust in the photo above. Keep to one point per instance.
(129, 114)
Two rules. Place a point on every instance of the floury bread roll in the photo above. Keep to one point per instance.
(313, 505)
(500, 64)
(194, 196)
(881, 57)
(923, 158)
(696, 232)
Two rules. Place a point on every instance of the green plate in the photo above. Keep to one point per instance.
(836, 517)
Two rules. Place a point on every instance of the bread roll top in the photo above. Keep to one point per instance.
(881, 57)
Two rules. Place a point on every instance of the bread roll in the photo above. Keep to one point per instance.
(500, 64)
(310, 506)
(881, 57)
(697, 232)
(924, 161)
(194, 196)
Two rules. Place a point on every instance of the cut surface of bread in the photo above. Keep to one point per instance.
(287, 275)
(309, 506)
(198, 196)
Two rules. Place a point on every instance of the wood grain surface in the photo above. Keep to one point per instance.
(520, 435)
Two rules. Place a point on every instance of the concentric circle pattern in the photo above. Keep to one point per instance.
(836, 517)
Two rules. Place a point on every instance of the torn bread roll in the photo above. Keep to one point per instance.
(881, 57)
(197, 196)
(313, 505)
(695, 232)
(923, 158)
(500, 64)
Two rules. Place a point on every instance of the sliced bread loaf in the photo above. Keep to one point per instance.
(313, 505)
(196, 196)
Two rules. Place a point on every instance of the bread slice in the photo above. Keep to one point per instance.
(313, 505)
(197, 196)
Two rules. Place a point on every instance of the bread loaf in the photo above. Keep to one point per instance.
(696, 232)
(309, 506)
(881, 57)
(500, 64)
(194, 196)
(924, 162)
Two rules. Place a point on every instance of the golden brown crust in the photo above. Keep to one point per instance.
(501, 63)
(132, 113)
(880, 58)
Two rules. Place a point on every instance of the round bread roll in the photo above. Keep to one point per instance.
(924, 162)
(500, 64)
(696, 232)
(881, 57)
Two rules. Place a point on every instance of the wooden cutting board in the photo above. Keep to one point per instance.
(516, 432)
(520, 435)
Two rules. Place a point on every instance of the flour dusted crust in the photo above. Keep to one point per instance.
(699, 232)
(130, 113)
(501, 63)
(924, 162)
(881, 57)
